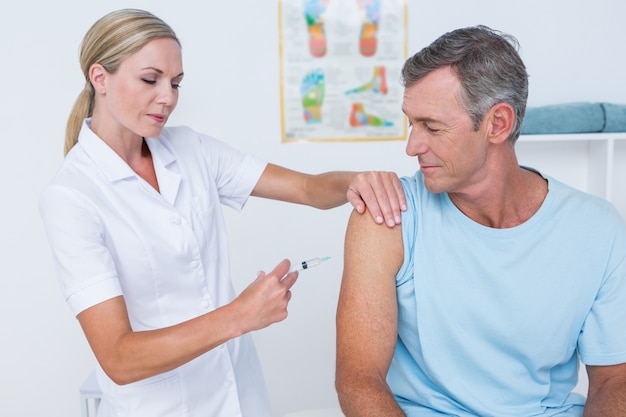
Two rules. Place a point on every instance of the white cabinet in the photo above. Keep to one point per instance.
(593, 162)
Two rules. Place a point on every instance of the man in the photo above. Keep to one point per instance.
(499, 278)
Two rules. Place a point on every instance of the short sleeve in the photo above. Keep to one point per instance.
(603, 337)
(84, 265)
(234, 172)
(409, 222)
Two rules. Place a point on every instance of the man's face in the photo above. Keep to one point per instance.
(450, 152)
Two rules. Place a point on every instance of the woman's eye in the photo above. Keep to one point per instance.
(176, 86)
(148, 81)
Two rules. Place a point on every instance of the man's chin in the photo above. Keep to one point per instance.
(434, 186)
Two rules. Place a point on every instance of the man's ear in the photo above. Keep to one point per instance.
(97, 77)
(501, 118)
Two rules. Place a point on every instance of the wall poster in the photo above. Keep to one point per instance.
(340, 63)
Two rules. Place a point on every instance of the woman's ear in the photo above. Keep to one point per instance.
(97, 77)
(501, 120)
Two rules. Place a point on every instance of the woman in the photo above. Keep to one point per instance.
(134, 221)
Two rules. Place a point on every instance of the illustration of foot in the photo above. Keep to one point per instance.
(314, 11)
(371, 18)
(358, 117)
(312, 90)
(378, 83)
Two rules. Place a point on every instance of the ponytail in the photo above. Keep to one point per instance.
(83, 107)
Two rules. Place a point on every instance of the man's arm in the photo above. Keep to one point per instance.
(367, 318)
(607, 391)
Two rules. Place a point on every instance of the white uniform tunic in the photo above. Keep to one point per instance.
(112, 234)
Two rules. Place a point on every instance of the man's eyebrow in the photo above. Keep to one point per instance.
(423, 119)
(426, 119)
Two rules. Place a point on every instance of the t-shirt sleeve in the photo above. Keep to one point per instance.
(603, 338)
(409, 223)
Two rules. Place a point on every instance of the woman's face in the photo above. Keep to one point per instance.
(140, 96)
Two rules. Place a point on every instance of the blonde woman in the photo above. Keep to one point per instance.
(136, 230)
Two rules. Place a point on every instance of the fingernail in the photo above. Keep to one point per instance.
(379, 219)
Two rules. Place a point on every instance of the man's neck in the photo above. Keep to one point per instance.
(508, 201)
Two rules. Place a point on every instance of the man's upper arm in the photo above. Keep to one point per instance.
(599, 375)
(367, 310)
(607, 391)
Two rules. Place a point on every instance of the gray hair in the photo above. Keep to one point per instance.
(489, 68)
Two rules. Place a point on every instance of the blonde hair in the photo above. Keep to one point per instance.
(112, 38)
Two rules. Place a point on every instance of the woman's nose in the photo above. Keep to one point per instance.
(168, 95)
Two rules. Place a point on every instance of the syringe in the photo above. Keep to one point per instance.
(310, 263)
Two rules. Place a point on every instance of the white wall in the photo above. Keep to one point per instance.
(574, 52)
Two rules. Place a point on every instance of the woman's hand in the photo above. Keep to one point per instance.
(129, 356)
(382, 194)
(265, 301)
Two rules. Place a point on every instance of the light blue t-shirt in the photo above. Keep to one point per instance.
(492, 321)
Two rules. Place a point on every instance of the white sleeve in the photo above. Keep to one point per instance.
(84, 265)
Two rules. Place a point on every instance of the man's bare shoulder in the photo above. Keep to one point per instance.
(363, 222)
(367, 239)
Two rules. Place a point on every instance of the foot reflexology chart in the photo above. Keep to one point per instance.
(335, 60)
